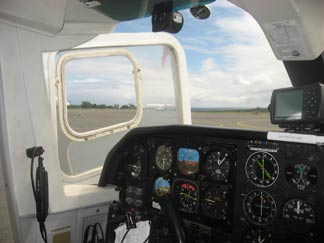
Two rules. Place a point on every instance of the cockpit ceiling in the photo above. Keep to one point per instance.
(293, 28)
(134, 9)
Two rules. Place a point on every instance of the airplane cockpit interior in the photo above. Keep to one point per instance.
(199, 184)
(154, 175)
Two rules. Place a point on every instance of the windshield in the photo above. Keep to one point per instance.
(232, 69)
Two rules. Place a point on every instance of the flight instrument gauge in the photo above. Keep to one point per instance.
(161, 187)
(163, 157)
(257, 236)
(186, 195)
(301, 176)
(134, 168)
(217, 165)
(188, 161)
(298, 216)
(262, 169)
(215, 203)
(134, 196)
(259, 207)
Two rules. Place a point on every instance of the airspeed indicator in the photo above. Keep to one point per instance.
(164, 157)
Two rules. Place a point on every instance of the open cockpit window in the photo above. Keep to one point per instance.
(108, 95)
(99, 92)
(104, 89)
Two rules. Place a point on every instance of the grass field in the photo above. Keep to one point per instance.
(88, 119)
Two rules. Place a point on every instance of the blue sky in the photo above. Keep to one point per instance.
(230, 63)
(193, 32)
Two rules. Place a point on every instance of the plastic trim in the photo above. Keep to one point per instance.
(62, 100)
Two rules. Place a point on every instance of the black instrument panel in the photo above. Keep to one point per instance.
(228, 186)
(200, 175)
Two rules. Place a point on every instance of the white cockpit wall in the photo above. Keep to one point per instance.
(26, 121)
(27, 29)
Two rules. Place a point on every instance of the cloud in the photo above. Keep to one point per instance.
(230, 62)
(110, 80)
(222, 4)
(86, 81)
(243, 28)
(248, 71)
(98, 68)
(208, 64)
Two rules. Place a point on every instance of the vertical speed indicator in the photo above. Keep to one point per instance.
(262, 169)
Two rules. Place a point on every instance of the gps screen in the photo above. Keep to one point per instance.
(289, 105)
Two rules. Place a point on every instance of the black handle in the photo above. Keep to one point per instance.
(168, 206)
(41, 193)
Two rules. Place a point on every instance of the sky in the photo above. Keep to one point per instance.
(230, 62)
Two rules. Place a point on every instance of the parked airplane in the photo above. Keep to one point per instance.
(160, 107)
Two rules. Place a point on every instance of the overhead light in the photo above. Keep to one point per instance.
(200, 12)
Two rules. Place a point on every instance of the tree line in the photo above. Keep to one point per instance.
(89, 105)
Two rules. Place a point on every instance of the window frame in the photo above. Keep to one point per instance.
(62, 94)
(121, 40)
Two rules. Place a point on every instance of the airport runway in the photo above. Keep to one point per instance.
(242, 120)
(88, 119)
(80, 157)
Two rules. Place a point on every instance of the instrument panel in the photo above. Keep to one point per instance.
(199, 177)
(228, 188)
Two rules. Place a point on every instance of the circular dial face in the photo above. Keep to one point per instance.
(187, 196)
(298, 216)
(163, 157)
(161, 187)
(134, 168)
(262, 169)
(259, 207)
(301, 176)
(257, 236)
(215, 203)
(134, 196)
(217, 165)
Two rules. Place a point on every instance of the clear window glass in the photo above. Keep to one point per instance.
(100, 92)
(232, 69)
(93, 85)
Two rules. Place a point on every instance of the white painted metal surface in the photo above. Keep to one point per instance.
(293, 28)
(54, 17)
(26, 121)
(296, 138)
